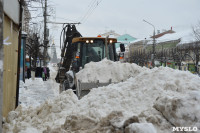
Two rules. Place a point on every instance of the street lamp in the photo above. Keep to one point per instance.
(152, 56)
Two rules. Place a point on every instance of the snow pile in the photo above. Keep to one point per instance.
(181, 111)
(1, 65)
(140, 128)
(106, 70)
(153, 99)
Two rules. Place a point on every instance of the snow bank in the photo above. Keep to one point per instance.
(140, 128)
(106, 70)
(1, 65)
(181, 111)
(157, 99)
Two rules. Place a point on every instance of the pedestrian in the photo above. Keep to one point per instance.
(43, 76)
(48, 73)
(28, 73)
(45, 73)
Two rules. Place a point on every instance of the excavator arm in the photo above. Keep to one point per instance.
(66, 52)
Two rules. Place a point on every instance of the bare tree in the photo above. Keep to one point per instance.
(196, 31)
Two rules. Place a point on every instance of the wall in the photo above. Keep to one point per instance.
(10, 65)
(11, 9)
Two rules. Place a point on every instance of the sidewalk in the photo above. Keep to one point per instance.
(35, 92)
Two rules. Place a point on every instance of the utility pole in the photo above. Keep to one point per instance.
(153, 55)
(1, 64)
(45, 35)
(106, 44)
(154, 42)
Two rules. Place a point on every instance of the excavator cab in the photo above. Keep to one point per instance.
(87, 49)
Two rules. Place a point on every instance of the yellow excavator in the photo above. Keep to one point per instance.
(77, 51)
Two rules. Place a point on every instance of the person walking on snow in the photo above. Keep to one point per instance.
(43, 76)
(45, 73)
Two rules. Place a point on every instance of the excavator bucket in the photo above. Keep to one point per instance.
(84, 88)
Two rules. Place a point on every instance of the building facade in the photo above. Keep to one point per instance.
(11, 48)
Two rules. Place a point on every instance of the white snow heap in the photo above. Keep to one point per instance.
(106, 69)
(140, 128)
(157, 99)
(1, 65)
(183, 109)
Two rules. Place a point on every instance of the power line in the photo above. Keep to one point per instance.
(92, 6)
(67, 19)
(91, 9)
(62, 23)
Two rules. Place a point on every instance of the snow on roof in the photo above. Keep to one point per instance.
(185, 36)
(190, 38)
(137, 40)
(126, 38)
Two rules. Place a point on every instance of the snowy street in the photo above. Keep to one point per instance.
(147, 101)
(35, 92)
(99, 66)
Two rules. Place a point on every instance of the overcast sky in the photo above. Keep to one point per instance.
(124, 16)
(127, 16)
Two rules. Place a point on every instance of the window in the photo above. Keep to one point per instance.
(93, 52)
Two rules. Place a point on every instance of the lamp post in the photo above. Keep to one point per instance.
(153, 54)
(106, 44)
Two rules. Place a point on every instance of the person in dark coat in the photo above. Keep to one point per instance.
(48, 73)
(28, 73)
(45, 73)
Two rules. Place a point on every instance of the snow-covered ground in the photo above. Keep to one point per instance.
(147, 101)
(35, 92)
